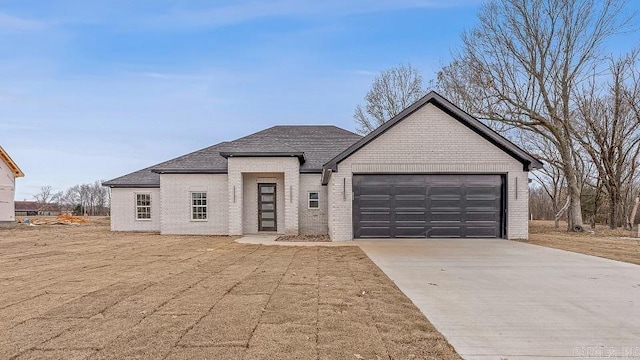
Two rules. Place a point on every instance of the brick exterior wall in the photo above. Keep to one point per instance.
(250, 197)
(239, 167)
(123, 210)
(312, 221)
(428, 141)
(176, 204)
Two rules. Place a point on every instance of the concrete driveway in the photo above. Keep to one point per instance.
(497, 299)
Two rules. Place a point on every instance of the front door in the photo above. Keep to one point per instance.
(267, 207)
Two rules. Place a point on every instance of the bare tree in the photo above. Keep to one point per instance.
(44, 196)
(608, 128)
(391, 92)
(526, 58)
(550, 178)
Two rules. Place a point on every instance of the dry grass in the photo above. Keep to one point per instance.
(603, 242)
(78, 292)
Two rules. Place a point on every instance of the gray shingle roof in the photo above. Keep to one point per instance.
(319, 143)
(142, 178)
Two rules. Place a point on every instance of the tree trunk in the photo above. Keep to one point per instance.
(613, 209)
(632, 220)
(574, 217)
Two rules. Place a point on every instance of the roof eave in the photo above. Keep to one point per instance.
(299, 155)
(12, 164)
(189, 171)
(131, 186)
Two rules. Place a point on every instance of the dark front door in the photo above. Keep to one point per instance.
(432, 206)
(267, 207)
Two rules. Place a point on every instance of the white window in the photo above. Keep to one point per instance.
(143, 206)
(314, 200)
(198, 206)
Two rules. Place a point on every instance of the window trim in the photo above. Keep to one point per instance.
(309, 200)
(205, 206)
(136, 206)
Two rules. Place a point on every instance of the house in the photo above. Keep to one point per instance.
(33, 208)
(9, 171)
(50, 209)
(27, 208)
(431, 171)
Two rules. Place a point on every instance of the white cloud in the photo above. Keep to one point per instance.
(239, 12)
(10, 23)
(364, 72)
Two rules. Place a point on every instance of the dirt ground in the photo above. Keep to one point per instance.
(304, 238)
(603, 242)
(81, 291)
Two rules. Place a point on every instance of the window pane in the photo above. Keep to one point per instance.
(143, 199)
(267, 197)
(313, 204)
(268, 223)
(313, 196)
(267, 189)
(143, 206)
(267, 206)
(198, 205)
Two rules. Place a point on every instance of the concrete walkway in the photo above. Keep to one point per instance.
(496, 299)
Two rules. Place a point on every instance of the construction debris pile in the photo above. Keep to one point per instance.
(60, 220)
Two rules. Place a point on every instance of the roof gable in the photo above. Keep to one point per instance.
(10, 163)
(529, 162)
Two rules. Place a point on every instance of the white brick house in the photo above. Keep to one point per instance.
(9, 171)
(431, 171)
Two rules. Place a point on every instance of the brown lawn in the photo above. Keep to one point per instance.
(80, 291)
(618, 244)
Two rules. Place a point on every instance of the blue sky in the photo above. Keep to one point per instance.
(96, 89)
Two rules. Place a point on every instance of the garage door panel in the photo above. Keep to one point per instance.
(405, 202)
(445, 216)
(487, 216)
(445, 203)
(377, 232)
(371, 201)
(482, 203)
(407, 215)
(444, 232)
(484, 232)
(380, 216)
(410, 231)
(373, 189)
(427, 205)
(444, 190)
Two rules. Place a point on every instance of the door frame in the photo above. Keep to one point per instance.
(275, 206)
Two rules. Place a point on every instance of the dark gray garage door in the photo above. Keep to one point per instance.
(434, 206)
